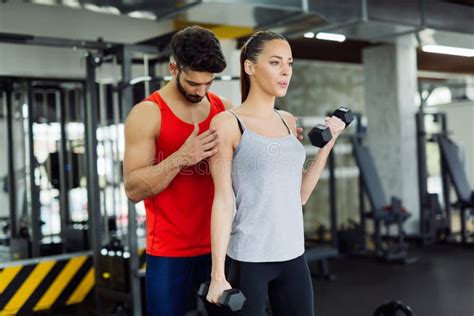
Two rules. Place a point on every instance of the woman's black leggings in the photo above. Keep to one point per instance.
(287, 285)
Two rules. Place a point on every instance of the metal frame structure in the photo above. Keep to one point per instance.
(91, 107)
(430, 221)
(91, 114)
(8, 85)
(126, 100)
(10, 160)
(34, 202)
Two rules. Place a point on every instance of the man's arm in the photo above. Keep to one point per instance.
(143, 176)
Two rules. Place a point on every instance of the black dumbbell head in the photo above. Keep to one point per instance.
(203, 289)
(345, 114)
(319, 135)
(233, 299)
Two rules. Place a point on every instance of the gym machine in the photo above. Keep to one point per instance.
(436, 218)
(390, 248)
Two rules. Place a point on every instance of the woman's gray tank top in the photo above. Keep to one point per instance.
(266, 178)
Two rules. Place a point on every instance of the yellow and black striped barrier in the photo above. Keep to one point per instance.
(28, 286)
(42, 284)
(142, 259)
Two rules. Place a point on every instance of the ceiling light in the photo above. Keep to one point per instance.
(102, 9)
(331, 37)
(147, 15)
(46, 2)
(72, 3)
(448, 50)
(309, 35)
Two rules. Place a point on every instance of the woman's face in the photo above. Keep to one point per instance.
(273, 69)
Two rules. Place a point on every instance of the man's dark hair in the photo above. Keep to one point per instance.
(198, 49)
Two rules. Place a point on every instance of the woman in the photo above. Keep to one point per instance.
(260, 162)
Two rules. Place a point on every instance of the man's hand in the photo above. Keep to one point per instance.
(299, 131)
(198, 147)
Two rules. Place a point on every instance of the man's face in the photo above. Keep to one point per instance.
(194, 85)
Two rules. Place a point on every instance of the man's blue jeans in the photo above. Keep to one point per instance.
(172, 283)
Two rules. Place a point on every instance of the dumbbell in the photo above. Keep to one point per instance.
(393, 308)
(233, 299)
(320, 135)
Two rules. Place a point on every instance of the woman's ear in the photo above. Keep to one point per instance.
(249, 67)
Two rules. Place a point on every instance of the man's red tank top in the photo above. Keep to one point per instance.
(178, 218)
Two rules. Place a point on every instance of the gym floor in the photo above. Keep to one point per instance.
(440, 283)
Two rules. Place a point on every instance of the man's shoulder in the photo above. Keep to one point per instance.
(144, 112)
(225, 102)
(146, 106)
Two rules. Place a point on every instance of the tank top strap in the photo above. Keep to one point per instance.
(284, 122)
(239, 121)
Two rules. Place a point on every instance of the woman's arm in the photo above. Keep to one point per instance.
(223, 205)
(312, 174)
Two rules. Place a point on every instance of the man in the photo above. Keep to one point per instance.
(167, 142)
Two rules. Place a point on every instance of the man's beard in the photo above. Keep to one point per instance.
(190, 97)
